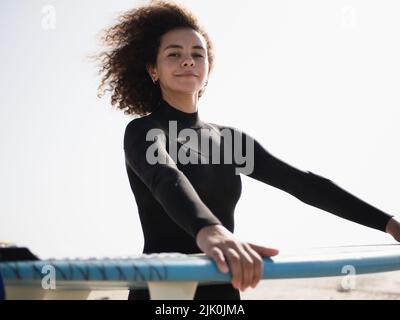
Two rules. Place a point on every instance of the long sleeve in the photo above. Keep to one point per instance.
(166, 182)
(313, 189)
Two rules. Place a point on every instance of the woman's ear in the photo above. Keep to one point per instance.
(152, 72)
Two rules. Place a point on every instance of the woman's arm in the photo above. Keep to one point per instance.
(313, 189)
(166, 182)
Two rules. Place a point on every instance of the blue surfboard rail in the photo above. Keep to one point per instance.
(135, 272)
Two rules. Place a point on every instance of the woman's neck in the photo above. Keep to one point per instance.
(184, 103)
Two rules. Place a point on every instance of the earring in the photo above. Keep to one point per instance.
(155, 81)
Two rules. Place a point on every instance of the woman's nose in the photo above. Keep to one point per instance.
(188, 61)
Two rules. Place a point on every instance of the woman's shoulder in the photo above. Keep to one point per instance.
(222, 128)
(141, 124)
(137, 129)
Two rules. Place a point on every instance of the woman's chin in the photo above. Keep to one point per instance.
(187, 89)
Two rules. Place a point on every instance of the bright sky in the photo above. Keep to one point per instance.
(317, 83)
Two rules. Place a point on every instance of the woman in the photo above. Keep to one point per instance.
(184, 172)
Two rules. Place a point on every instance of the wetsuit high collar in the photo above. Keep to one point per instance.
(184, 119)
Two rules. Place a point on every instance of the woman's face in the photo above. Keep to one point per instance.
(182, 62)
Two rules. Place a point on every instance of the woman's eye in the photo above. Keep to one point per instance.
(177, 54)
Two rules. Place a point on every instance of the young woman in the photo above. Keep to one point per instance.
(184, 172)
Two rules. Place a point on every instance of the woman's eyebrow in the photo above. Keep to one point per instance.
(180, 47)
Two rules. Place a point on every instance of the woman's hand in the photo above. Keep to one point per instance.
(243, 259)
(393, 228)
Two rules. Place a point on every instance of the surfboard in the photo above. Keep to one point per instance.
(176, 276)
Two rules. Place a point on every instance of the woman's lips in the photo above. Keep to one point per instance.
(186, 75)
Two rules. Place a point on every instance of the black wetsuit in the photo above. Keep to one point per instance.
(176, 200)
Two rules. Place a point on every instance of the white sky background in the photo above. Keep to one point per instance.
(316, 82)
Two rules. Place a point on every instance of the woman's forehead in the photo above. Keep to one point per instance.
(182, 37)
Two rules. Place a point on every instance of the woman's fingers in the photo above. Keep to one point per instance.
(243, 260)
(247, 264)
(258, 265)
(243, 266)
(235, 266)
(251, 263)
(264, 251)
(219, 259)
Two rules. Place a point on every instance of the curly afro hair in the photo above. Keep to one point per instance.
(133, 44)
